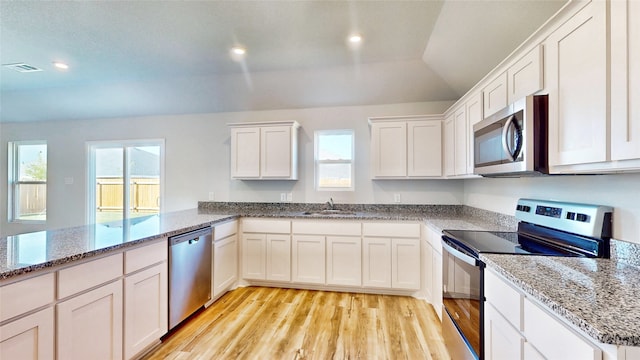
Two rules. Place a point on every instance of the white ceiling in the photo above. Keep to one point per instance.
(137, 58)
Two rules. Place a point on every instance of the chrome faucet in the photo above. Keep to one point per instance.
(330, 204)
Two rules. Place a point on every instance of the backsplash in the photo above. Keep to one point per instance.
(625, 252)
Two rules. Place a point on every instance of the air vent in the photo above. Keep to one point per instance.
(22, 67)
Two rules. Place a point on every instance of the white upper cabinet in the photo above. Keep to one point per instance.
(525, 77)
(461, 136)
(495, 95)
(267, 151)
(458, 137)
(625, 80)
(406, 147)
(576, 69)
(474, 116)
(449, 145)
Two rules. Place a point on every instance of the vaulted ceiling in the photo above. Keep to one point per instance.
(137, 58)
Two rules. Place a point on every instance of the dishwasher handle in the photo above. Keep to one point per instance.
(191, 236)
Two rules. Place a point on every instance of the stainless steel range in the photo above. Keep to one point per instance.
(546, 228)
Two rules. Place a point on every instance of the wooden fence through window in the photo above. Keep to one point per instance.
(144, 195)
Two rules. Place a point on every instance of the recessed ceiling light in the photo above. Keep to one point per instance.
(237, 50)
(60, 65)
(355, 38)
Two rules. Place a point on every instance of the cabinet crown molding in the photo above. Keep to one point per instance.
(379, 119)
(291, 123)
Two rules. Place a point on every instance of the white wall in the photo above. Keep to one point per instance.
(620, 191)
(197, 160)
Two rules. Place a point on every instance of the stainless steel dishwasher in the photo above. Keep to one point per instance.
(189, 273)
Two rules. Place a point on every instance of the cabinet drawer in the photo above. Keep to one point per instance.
(84, 276)
(144, 256)
(266, 226)
(552, 338)
(224, 230)
(389, 229)
(507, 300)
(347, 228)
(23, 296)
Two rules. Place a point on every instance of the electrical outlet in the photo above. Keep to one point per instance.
(289, 197)
(396, 198)
(212, 196)
(283, 196)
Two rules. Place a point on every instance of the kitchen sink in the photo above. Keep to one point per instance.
(328, 212)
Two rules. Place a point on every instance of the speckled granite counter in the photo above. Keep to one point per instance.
(599, 296)
(25, 253)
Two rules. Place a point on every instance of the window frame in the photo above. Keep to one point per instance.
(318, 162)
(91, 146)
(14, 181)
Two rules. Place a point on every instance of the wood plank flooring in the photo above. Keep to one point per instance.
(272, 323)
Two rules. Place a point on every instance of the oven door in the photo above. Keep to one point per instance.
(462, 298)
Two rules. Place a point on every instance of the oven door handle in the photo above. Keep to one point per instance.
(460, 255)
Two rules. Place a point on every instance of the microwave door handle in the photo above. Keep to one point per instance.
(459, 254)
(505, 132)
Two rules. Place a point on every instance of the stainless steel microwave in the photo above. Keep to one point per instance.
(513, 141)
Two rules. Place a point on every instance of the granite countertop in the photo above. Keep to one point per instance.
(25, 253)
(599, 296)
(30, 252)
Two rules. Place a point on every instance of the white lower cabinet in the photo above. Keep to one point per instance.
(501, 339)
(518, 327)
(376, 262)
(89, 326)
(30, 337)
(405, 264)
(225, 264)
(434, 270)
(391, 256)
(308, 255)
(266, 249)
(344, 258)
(278, 257)
(145, 308)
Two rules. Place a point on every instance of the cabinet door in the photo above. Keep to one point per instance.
(424, 148)
(552, 339)
(377, 262)
(254, 256)
(449, 145)
(405, 264)
(30, 337)
(279, 257)
(495, 95)
(309, 259)
(625, 80)
(89, 326)
(344, 254)
(426, 252)
(275, 152)
(146, 308)
(525, 77)
(436, 273)
(576, 59)
(225, 264)
(474, 116)
(501, 340)
(389, 149)
(460, 141)
(245, 152)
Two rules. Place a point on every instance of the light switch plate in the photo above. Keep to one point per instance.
(283, 196)
(397, 198)
(289, 197)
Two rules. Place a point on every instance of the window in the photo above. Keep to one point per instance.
(27, 181)
(334, 160)
(138, 164)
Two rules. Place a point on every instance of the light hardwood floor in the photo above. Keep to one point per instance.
(271, 323)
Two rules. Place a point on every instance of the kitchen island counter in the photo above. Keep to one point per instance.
(30, 252)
